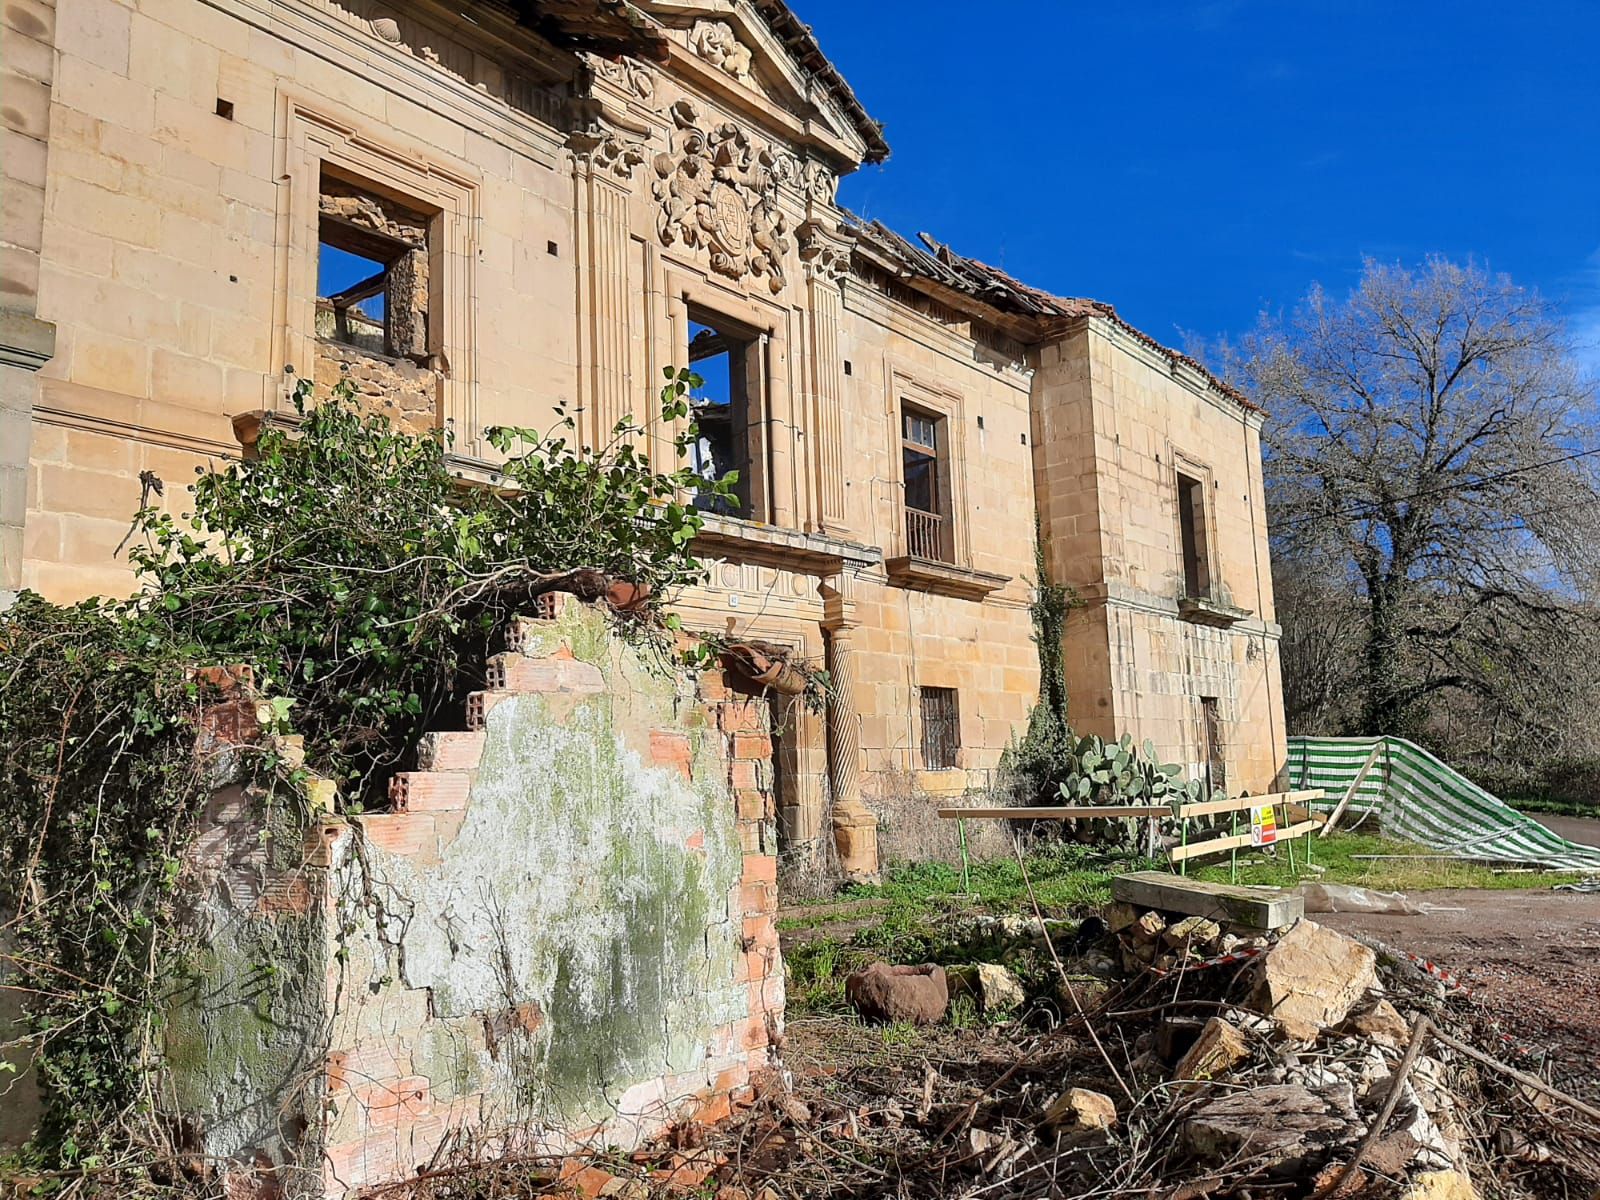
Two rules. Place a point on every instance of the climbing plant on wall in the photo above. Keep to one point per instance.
(1054, 765)
(364, 583)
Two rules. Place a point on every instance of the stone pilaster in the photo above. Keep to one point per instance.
(27, 70)
(604, 164)
(826, 259)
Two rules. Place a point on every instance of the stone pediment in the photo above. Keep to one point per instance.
(737, 49)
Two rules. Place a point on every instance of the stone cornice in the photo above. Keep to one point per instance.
(25, 340)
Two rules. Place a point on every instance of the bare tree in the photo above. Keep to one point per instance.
(1432, 443)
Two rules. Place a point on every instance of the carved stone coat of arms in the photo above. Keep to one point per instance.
(718, 192)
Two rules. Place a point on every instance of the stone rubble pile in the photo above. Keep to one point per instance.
(1276, 1080)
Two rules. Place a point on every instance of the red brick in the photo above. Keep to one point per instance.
(355, 1165)
(695, 841)
(716, 1109)
(372, 1062)
(761, 868)
(752, 837)
(757, 898)
(286, 895)
(753, 1033)
(760, 929)
(320, 839)
(713, 686)
(226, 678)
(401, 833)
(478, 706)
(395, 1102)
(514, 673)
(672, 749)
(584, 1178)
(752, 745)
(742, 774)
(731, 1079)
(751, 805)
(741, 716)
(232, 722)
(430, 791)
(450, 751)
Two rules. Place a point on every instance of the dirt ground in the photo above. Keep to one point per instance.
(1532, 959)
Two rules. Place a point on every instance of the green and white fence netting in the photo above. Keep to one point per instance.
(1420, 799)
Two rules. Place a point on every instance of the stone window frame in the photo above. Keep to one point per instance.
(450, 193)
(1192, 468)
(763, 324)
(948, 406)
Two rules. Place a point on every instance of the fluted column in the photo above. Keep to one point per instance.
(855, 828)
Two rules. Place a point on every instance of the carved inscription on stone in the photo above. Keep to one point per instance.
(718, 192)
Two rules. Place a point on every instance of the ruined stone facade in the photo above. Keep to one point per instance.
(553, 208)
(561, 937)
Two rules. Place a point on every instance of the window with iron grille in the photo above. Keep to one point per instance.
(941, 728)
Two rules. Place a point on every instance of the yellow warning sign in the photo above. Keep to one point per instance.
(1263, 825)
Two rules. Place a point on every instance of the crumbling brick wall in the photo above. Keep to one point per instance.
(561, 935)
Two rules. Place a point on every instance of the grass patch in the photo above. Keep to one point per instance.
(925, 902)
(1337, 855)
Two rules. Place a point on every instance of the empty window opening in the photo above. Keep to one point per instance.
(941, 728)
(727, 412)
(372, 273)
(1192, 532)
(924, 468)
(1216, 757)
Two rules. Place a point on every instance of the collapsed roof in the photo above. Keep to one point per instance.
(953, 277)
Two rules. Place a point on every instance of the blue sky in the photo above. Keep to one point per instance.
(1194, 163)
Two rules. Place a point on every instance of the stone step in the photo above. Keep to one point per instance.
(1256, 908)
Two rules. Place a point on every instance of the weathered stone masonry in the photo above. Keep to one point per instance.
(561, 935)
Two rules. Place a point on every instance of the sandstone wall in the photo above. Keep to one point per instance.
(562, 935)
(1115, 425)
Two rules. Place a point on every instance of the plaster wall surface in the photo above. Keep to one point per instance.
(561, 937)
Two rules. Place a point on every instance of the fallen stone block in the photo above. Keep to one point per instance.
(1312, 978)
(1381, 1023)
(1080, 1108)
(880, 992)
(1253, 908)
(994, 987)
(1149, 927)
(1119, 916)
(1219, 1048)
(1293, 1129)
(1441, 1185)
(1192, 931)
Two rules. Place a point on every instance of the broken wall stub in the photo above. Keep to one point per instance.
(563, 934)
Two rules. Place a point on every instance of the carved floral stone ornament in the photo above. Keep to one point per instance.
(720, 193)
(824, 252)
(716, 42)
(605, 150)
(627, 73)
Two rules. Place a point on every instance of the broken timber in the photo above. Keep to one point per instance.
(1256, 908)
